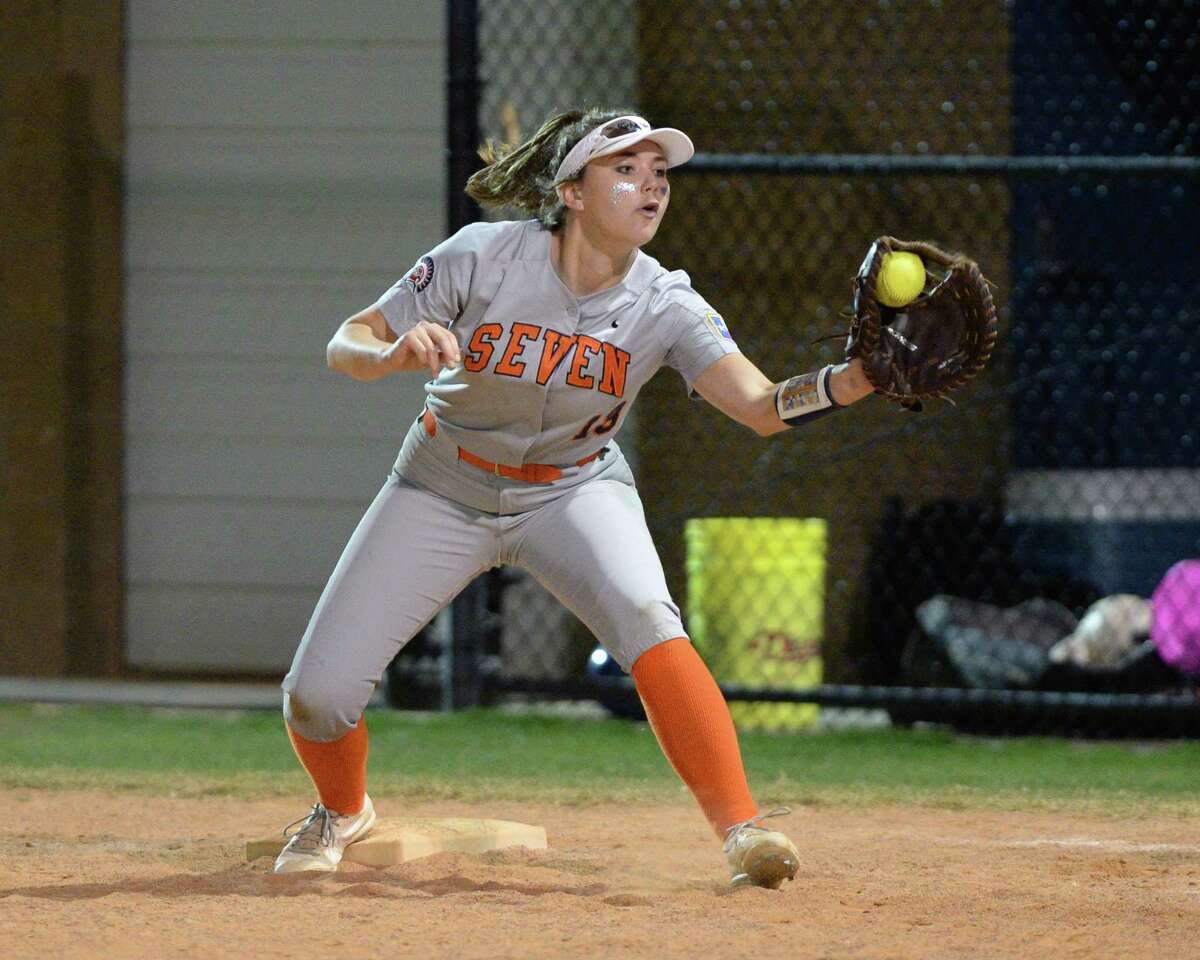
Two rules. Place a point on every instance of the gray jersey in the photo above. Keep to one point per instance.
(547, 376)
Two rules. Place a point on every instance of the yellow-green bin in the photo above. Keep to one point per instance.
(756, 608)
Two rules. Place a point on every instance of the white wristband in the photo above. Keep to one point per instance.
(806, 397)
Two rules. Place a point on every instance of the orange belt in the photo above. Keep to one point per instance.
(530, 472)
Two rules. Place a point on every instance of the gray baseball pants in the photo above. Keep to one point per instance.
(436, 525)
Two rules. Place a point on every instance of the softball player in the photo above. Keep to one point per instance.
(538, 335)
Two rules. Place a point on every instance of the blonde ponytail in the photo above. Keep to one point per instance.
(523, 176)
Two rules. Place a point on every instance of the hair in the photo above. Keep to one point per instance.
(522, 176)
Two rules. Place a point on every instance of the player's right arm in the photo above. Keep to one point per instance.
(408, 328)
(366, 348)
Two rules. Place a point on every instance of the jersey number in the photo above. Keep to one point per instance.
(605, 424)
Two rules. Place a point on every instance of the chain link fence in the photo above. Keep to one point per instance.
(989, 563)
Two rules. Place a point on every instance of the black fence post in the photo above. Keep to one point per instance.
(462, 676)
(462, 110)
(461, 681)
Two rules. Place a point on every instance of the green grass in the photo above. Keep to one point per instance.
(484, 754)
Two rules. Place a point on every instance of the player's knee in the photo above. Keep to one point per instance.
(648, 625)
(318, 709)
(657, 619)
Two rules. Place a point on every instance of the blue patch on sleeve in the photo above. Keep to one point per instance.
(715, 321)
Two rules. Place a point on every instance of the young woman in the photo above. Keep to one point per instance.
(537, 335)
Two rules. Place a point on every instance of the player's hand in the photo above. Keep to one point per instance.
(427, 345)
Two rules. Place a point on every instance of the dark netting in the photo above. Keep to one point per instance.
(993, 563)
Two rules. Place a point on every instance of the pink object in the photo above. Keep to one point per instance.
(1175, 617)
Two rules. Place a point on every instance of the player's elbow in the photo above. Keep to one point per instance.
(337, 361)
(341, 357)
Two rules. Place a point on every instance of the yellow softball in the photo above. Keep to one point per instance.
(901, 278)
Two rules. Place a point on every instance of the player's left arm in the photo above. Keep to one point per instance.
(736, 387)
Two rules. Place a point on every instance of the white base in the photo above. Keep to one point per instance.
(396, 840)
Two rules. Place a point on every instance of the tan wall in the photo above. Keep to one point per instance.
(60, 353)
(284, 166)
(775, 255)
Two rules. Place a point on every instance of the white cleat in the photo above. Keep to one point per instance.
(760, 857)
(323, 835)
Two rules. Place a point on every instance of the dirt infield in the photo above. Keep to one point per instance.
(98, 875)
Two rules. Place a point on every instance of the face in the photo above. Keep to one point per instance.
(621, 199)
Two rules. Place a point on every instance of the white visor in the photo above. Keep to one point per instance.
(613, 136)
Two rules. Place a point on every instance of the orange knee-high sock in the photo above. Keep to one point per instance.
(338, 769)
(691, 720)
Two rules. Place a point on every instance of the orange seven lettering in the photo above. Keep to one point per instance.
(490, 341)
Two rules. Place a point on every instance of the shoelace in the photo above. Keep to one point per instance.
(755, 823)
(306, 838)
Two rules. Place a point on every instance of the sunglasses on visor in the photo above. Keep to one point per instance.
(619, 128)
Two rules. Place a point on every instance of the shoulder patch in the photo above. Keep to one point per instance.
(421, 275)
(718, 325)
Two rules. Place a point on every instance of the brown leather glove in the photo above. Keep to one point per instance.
(933, 345)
